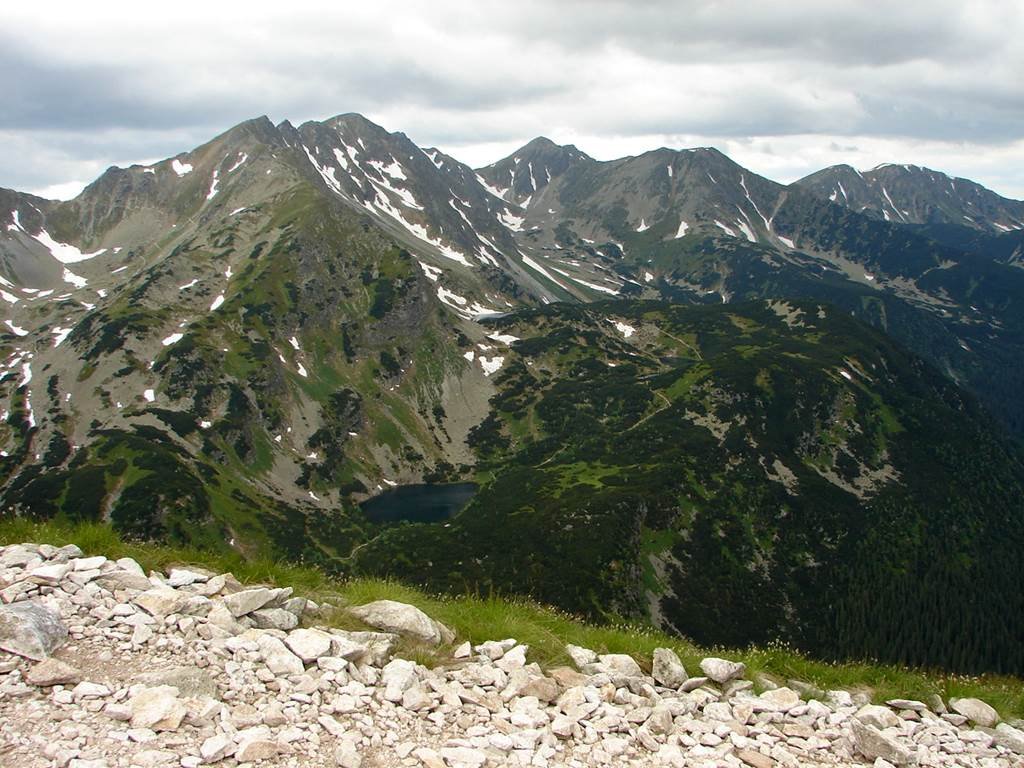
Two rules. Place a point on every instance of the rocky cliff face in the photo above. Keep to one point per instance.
(102, 666)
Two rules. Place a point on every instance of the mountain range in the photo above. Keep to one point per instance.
(687, 393)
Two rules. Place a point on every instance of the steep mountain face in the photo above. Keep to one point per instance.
(259, 352)
(525, 173)
(737, 473)
(695, 227)
(910, 194)
(238, 345)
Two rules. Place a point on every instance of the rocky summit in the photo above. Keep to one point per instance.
(104, 665)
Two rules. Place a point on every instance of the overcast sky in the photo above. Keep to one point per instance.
(784, 88)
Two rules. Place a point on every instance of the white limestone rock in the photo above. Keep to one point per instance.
(157, 708)
(873, 743)
(668, 669)
(31, 629)
(216, 748)
(397, 677)
(309, 644)
(721, 670)
(256, 748)
(403, 619)
(277, 657)
(975, 710)
(247, 600)
(618, 664)
(88, 563)
(580, 656)
(49, 575)
(50, 672)
(274, 618)
(778, 700)
(161, 601)
(347, 755)
(1010, 738)
(124, 579)
(373, 648)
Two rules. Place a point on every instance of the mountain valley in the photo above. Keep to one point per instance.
(741, 410)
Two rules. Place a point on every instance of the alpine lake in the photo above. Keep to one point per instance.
(425, 503)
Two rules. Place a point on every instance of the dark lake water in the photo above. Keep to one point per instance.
(419, 503)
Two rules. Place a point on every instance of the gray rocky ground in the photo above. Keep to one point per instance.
(103, 665)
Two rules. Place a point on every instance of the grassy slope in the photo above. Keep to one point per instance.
(545, 630)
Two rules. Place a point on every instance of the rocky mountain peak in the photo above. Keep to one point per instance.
(912, 194)
(521, 177)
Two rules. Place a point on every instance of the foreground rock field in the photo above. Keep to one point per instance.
(103, 665)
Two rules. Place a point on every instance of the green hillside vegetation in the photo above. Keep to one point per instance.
(742, 473)
(772, 470)
(356, 304)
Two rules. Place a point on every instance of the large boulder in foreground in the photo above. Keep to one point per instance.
(403, 619)
(721, 670)
(31, 630)
(875, 744)
(975, 710)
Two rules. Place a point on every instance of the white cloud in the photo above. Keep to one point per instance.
(775, 85)
(65, 191)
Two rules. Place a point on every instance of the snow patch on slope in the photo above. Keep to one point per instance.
(511, 221)
(504, 338)
(746, 230)
(393, 169)
(498, 193)
(213, 185)
(62, 252)
(76, 280)
(625, 330)
(724, 228)
(59, 334)
(383, 205)
(326, 172)
(491, 365)
(596, 287)
(432, 273)
(537, 267)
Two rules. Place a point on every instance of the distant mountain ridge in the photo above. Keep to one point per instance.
(910, 194)
(549, 223)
